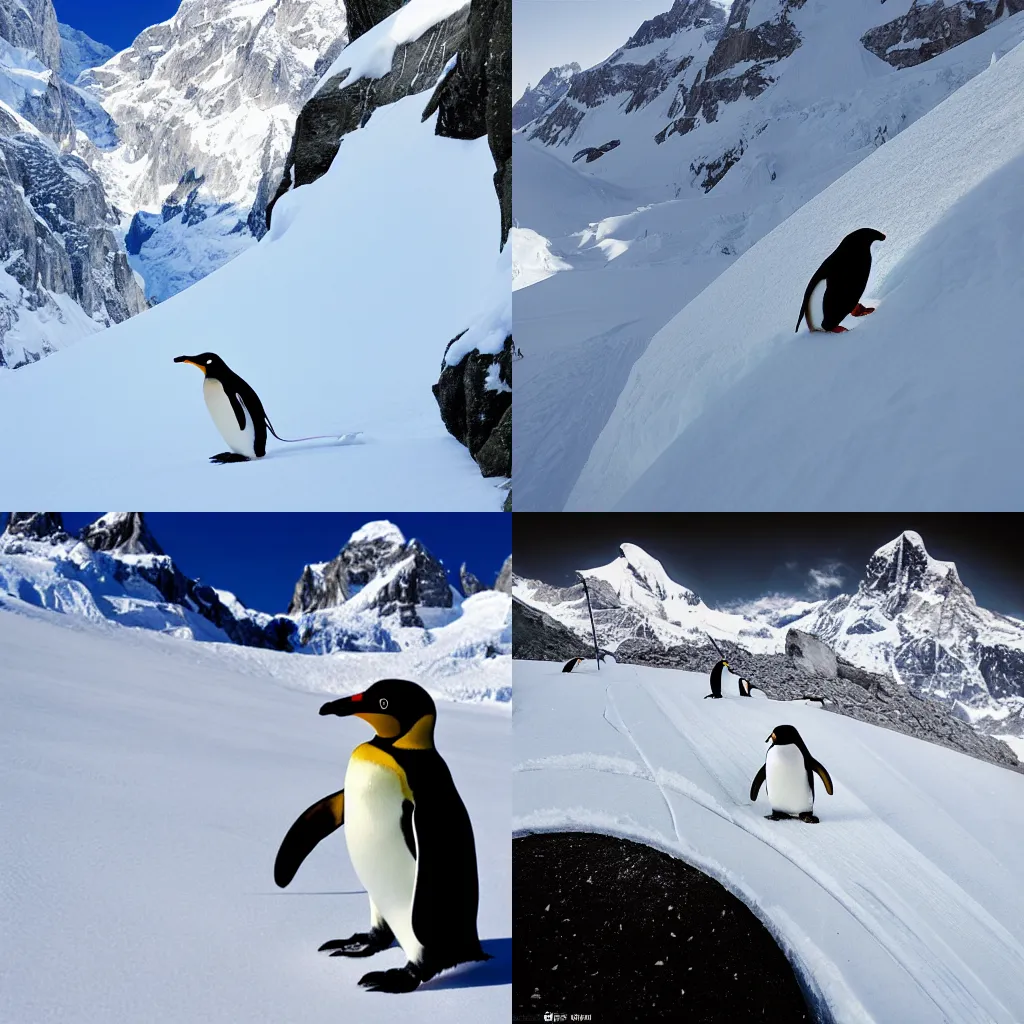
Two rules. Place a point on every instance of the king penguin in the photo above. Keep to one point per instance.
(716, 679)
(571, 664)
(834, 292)
(788, 772)
(409, 838)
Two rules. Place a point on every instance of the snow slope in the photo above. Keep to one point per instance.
(147, 784)
(903, 904)
(916, 409)
(335, 318)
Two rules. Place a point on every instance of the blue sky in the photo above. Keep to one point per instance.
(547, 33)
(114, 22)
(259, 556)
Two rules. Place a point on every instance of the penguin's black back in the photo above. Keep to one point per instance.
(716, 679)
(235, 386)
(846, 272)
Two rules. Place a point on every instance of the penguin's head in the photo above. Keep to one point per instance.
(399, 711)
(783, 734)
(209, 362)
(864, 237)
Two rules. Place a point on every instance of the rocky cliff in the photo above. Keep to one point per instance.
(538, 98)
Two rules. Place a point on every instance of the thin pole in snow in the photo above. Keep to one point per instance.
(593, 628)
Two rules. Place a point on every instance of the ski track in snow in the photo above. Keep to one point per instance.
(873, 872)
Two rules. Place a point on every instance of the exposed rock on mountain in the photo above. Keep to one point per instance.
(469, 583)
(505, 577)
(593, 153)
(36, 525)
(342, 103)
(539, 98)
(64, 271)
(125, 533)
(539, 637)
(213, 91)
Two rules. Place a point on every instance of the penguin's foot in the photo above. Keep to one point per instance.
(360, 944)
(226, 457)
(860, 310)
(777, 816)
(837, 330)
(809, 818)
(715, 696)
(398, 979)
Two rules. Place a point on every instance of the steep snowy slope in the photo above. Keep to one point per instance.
(330, 318)
(903, 904)
(147, 785)
(214, 90)
(760, 126)
(79, 52)
(915, 409)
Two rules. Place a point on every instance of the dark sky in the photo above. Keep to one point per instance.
(114, 22)
(259, 556)
(739, 556)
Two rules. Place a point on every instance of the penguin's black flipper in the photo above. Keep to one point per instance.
(236, 406)
(570, 665)
(759, 778)
(447, 890)
(817, 766)
(312, 825)
(807, 298)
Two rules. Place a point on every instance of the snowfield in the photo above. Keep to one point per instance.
(338, 318)
(904, 904)
(728, 409)
(147, 783)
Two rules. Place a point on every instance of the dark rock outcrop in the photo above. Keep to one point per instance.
(123, 532)
(364, 14)
(593, 153)
(477, 412)
(341, 106)
(536, 636)
(469, 583)
(935, 27)
(504, 580)
(36, 525)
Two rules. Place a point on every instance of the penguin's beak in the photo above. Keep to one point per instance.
(191, 360)
(344, 706)
(384, 725)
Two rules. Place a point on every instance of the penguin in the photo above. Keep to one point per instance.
(571, 664)
(744, 687)
(409, 838)
(716, 680)
(788, 772)
(834, 292)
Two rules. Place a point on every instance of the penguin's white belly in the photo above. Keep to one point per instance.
(373, 831)
(815, 306)
(786, 779)
(241, 441)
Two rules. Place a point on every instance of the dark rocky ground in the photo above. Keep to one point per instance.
(627, 933)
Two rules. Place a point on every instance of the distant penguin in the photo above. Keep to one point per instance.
(408, 835)
(571, 664)
(834, 292)
(236, 411)
(716, 680)
(788, 772)
(745, 687)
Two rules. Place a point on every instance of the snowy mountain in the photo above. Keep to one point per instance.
(63, 268)
(78, 52)
(338, 318)
(902, 904)
(382, 594)
(721, 130)
(536, 99)
(911, 618)
(204, 106)
(177, 769)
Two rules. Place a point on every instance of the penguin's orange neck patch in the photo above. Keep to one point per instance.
(386, 726)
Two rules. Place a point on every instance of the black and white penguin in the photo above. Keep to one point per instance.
(716, 679)
(834, 292)
(408, 835)
(788, 772)
(571, 664)
(745, 687)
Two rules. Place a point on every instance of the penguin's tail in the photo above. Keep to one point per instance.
(295, 440)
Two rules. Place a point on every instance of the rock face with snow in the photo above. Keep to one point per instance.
(911, 620)
(469, 583)
(64, 272)
(540, 97)
(123, 532)
(78, 52)
(213, 91)
(504, 581)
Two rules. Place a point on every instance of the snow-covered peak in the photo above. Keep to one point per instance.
(123, 532)
(904, 564)
(79, 52)
(380, 530)
(635, 572)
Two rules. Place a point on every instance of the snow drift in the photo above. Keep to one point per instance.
(916, 408)
(903, 904)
